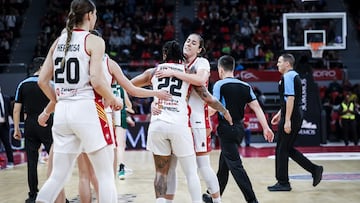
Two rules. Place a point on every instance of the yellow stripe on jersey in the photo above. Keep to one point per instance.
(101, 112)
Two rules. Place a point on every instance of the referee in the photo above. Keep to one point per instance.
(234, 94)
(289, 119)
(30, 97)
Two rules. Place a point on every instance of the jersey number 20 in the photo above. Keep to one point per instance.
(71, 68)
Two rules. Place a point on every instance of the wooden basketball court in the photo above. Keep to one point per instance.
(341, 178)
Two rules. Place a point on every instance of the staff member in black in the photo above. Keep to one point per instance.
(289, 119)
(30, 97)
(234, 94)
(5, 109)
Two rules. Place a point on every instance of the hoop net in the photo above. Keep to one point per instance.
(316, 49)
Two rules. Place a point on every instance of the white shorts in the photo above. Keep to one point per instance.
(166, 138)
(202, 139)
(80, 127)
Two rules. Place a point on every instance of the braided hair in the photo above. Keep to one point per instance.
(78, 9)
(172, 50)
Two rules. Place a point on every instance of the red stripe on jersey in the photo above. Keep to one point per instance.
(191, 63)
(206, 114)
(189, 107)
(108, 67)
(85, 44)
(103, 119)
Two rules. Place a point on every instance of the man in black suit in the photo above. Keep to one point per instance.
(5, 109)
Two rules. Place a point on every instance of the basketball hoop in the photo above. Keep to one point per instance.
(316, 49)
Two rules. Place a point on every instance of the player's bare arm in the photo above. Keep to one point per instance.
(192, 76)
(213, 102)
(131, 88)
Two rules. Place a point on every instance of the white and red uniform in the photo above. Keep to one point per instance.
(169, 132)
(80, 122)
(108, 110)
(199, 117)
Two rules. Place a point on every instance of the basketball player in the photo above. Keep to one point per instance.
(169, 131)
(112, 72)
(121, 120)
(199, 69)
(74, 60)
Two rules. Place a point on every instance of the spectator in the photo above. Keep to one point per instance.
(114, 41)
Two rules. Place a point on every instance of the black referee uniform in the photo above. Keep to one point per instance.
(290, 85)
(234, 94)
(33, 101)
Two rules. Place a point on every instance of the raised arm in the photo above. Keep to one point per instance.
(144, 79)
(132, 89)
(197, 78)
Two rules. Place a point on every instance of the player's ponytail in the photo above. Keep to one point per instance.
(78, 9)
(69, 28)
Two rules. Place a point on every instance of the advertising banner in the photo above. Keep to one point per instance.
(310, 132)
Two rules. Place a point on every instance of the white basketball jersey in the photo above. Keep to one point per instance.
(199, 117)
(174, 110)
(72, 82)
(107, 72)
(108, 76)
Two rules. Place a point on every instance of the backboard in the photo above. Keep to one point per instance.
(301, 29)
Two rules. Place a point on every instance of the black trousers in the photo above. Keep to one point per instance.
(5, 139)
(349, 126)
(285, 149)
(230, 138)
(35, 135)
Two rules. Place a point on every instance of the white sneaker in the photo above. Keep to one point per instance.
(10, 165)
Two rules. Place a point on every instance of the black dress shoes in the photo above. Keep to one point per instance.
(279, 187)
(317, 175)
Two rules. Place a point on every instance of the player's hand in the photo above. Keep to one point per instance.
(116, 103)
(228, 117)
(268, 134)
(163, 95)
(17, 134)
(164, 73)
(43, 118)
(287, 127)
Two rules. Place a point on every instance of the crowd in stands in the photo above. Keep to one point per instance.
(251, 30)
(133, 30)
(11, 20)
